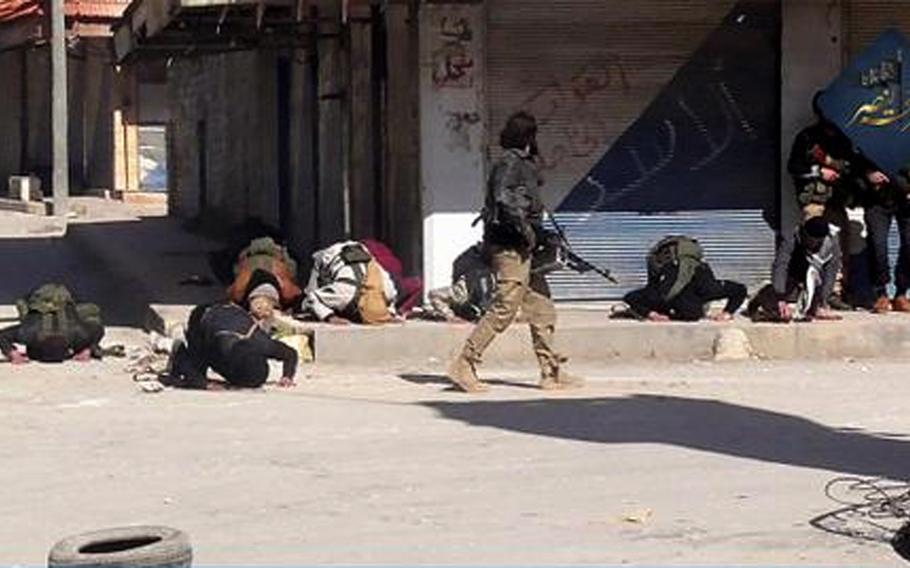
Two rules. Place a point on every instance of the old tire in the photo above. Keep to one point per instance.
(145, 546)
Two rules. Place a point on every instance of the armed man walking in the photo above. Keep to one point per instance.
(513, 223)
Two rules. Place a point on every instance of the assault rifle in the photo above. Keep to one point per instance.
(554, 252)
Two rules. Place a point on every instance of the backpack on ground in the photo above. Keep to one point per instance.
(54, 302)
(46, 299)
(260, 251)
(479, 281)
(680, 251)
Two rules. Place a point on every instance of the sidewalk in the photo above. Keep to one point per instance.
(138, 261)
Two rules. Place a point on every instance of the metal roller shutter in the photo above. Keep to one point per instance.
(588, 69)
(866, 19)
(728, 238)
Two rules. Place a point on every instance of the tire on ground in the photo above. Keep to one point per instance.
(145, 546)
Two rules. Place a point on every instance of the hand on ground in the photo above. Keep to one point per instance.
(824, 314)
(286, 382)
(657, 316)
(83, 356)
(338, 320)
(786, 312)
(722, 316)
(18, 358)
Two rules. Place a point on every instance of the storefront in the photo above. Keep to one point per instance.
(656, 117)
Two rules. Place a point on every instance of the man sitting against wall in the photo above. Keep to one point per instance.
(348, 285)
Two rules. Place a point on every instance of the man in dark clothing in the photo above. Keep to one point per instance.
(471, 292)
(806, 266)
(228, 339)
(512, 222)
(820, 163)
(689, 304)
(830, 176)
(884, 203)
(56, 336)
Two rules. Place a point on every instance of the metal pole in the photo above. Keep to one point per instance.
(60, 126)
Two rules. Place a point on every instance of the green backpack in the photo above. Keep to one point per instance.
(52, 300)
(260, 252)
(686, 252)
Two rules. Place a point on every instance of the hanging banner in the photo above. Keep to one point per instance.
(870, 102)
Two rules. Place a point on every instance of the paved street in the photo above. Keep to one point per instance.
(682, 464)
(652, 463)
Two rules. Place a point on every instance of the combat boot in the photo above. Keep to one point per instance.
(561, 380)
(462, 373)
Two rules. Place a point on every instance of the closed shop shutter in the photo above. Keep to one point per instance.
(866, 19)
(589, 70)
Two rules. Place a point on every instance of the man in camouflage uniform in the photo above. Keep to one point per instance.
(513, 216)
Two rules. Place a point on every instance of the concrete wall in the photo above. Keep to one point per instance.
(452, 163)
(811, 56)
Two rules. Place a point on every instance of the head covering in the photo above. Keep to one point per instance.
(265, 291)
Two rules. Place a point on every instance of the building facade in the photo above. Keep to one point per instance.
(356, 119)
(109, 108)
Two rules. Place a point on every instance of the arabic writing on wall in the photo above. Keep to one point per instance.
(708, 145)
(453, 59)
(558, 104)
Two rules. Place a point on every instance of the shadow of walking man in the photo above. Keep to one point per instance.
(698, 424)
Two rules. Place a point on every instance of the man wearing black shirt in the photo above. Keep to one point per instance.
(228, 339)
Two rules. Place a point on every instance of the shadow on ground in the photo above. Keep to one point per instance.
(442, 380)
(121, 265)
(698, 424)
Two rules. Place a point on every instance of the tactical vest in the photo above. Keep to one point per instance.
(679, 250)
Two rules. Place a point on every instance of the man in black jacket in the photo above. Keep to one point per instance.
(830, 175)
(513, 217)
(228, 339)
(805, 266)
(651, 302)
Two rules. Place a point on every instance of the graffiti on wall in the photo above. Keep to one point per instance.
(558, 102)
(709, 139)
(458, 125)
(453, 57)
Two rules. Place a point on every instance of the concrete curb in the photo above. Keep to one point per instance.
(592, 338)
(40, 208)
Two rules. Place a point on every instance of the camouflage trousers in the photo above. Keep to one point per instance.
(518, 290)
